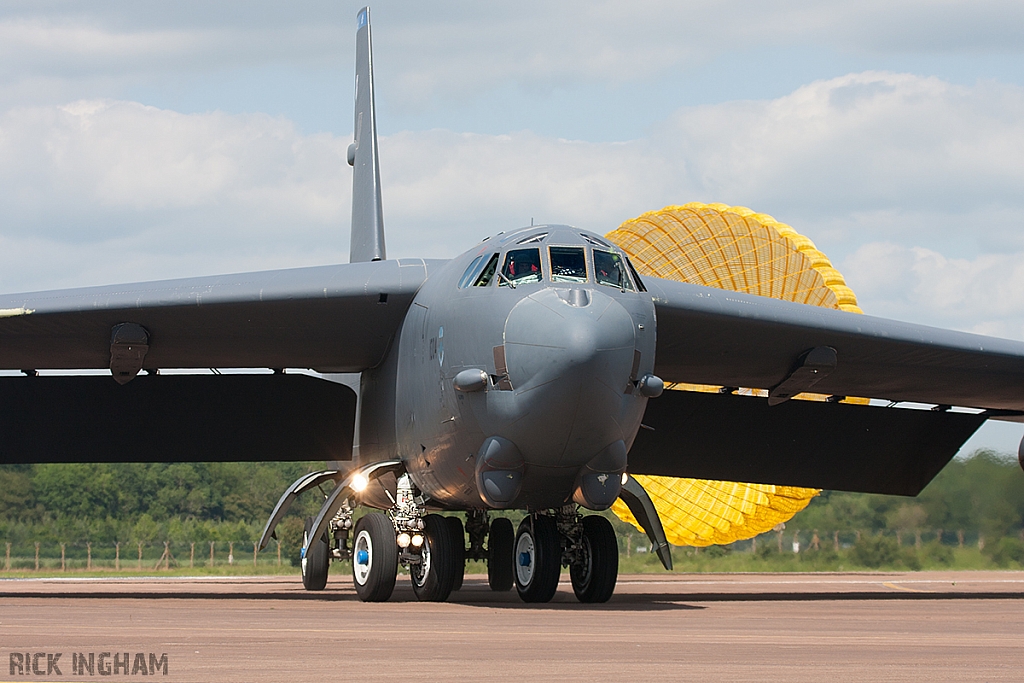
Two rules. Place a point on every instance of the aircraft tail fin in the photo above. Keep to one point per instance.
(367, 215)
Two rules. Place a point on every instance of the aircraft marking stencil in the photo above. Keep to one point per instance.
(525, 374)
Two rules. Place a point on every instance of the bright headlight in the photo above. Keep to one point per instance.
(403, 540)
(359, 483)
(417, 540)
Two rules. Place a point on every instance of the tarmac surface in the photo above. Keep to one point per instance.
(924, 626)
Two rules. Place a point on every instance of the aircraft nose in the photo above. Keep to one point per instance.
(569, 355)
(573, 335)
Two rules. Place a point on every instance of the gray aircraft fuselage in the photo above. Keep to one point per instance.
(564, 405)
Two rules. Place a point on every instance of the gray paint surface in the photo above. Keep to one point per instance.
(327, 317)
(367, 240)
(711, 336)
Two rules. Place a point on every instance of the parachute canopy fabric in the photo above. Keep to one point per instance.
(737, 249)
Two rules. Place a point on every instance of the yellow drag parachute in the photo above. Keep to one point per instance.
(728, 247)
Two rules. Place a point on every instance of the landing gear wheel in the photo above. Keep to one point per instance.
(500, 540)
(317, 560)
(594, 579)
(538, 559)
(374, 558)
(459, 550)
(433, 578)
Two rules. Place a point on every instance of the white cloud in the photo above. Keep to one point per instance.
(984, 294)
(920, 175)
(147, 186)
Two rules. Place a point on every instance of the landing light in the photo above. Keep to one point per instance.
(417, 540)
(625, 478)
(403, 540)
(359, 483)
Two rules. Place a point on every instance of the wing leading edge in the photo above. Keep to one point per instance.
(331, 318)
(717, 337)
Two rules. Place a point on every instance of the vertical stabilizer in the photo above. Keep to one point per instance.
(367, 215)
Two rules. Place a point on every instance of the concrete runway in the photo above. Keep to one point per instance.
(925, 626)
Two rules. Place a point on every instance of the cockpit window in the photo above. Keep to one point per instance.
(594, 240)
(610, 270)
(521, 266)
(473, 269)
(568, 264)
(487, 274)
(636, 276)
(533, 239)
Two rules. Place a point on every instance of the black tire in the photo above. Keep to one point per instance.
(500, 540)
(458, 534)
(433, 579)
(374, 558)
(317, 560)
(594, 580)
(537, 559)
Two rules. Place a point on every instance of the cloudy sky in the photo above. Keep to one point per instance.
(152, 140)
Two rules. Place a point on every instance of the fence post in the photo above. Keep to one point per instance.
(37, 555)
(255, 549)
(231, 552)
(192, 556)
(117, 556)
(140, 557)
(753, 544)
(835, 541)
(279, 551)
(7, 559)
(981, 542)
(63, 567)
(88, 555)
(211, 553)
(960, 538)
(917, 539)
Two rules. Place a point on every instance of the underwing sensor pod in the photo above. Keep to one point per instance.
(547, 373)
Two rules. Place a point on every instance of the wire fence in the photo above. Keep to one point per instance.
(49, 556)
(809, 540)
(134, 555)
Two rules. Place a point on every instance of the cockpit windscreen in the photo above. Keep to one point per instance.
(568, 264)
(610, 270)
(521, 266)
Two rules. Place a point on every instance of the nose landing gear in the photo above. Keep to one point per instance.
(537, 559)
(547, 542)
(596, 565)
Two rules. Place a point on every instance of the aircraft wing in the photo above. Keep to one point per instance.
(718, 337)
(333, 318)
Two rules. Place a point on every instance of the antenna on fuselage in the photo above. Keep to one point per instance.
(367, 215)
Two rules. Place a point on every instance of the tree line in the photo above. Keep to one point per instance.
(108, 504)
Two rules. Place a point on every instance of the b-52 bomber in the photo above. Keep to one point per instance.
(525, 374)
